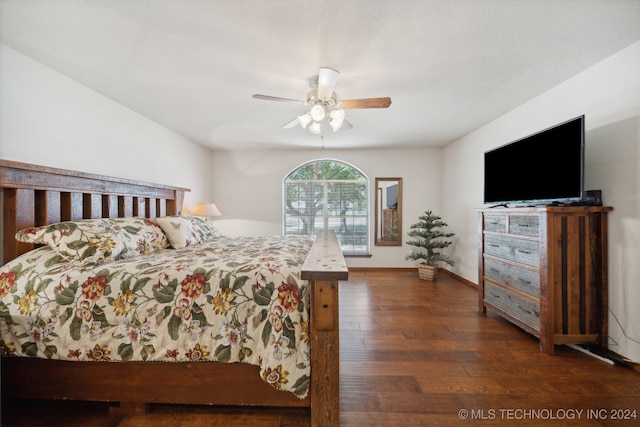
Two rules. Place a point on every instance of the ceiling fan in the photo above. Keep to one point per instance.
(325, 104)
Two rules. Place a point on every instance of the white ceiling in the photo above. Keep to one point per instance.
(449, 66)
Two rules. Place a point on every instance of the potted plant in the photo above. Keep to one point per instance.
(430, 235)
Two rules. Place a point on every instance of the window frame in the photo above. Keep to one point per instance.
(326, 217)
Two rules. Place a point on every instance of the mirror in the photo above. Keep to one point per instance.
(388, 218)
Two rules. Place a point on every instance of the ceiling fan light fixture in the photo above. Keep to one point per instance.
(317, 112)
(304, 119)
(323, 104)
(335, 126)
(337, 119)
(315, 128)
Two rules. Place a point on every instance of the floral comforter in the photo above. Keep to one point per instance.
(225, 300)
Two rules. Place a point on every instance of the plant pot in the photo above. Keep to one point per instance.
(427, 272)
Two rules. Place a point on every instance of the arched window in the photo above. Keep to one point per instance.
(328, 194)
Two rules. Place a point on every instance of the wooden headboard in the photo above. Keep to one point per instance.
(34, 195)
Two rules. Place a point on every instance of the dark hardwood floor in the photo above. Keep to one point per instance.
(415, 353)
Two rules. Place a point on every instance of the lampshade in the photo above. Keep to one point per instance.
(317, 112)
(315, 128)
(206, 209)
(337, 118)
(304, 120)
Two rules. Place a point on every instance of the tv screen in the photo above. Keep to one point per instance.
(543, 168)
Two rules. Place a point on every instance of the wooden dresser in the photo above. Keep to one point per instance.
(545, 270)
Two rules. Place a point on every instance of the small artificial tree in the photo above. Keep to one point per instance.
(428, 230)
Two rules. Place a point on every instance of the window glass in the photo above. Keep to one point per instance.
(328, 194)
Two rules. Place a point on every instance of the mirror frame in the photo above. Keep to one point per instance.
(378, 225)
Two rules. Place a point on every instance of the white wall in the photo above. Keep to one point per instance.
(608, 94)
(247, 188)
(49, 119)
(613, 165)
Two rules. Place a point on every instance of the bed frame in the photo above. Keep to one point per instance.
(33, 195)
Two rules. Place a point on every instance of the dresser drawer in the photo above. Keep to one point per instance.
(513, 249)
(497, 223)
(524, 225)
(523, 309)
(519, 278)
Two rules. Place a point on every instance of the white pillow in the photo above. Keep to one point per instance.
(179, 230)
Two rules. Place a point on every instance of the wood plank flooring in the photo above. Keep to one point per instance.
(415, 353)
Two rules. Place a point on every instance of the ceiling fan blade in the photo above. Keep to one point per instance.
(275, 98)
(291, 124)
(367, 103)
(327, 80)
(346, 126)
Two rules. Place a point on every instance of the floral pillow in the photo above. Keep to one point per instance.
(97, 241)
(204, 229)
(183, 231)
(33, 235)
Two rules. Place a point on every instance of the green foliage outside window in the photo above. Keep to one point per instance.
(328, 194)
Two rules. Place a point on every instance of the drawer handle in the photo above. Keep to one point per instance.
(524, 252)
(523, 225)
(527, 282)
(495, 270)
(494, 245)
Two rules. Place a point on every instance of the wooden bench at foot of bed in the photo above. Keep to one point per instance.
(35, 195)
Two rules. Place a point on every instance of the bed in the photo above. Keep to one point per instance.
(149, 313)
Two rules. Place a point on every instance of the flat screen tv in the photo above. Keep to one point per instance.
(540, 169)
